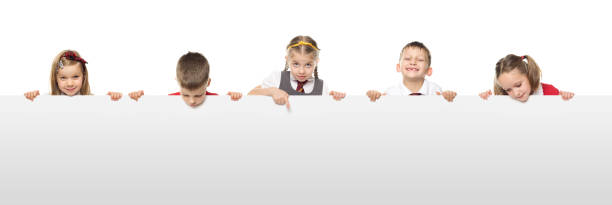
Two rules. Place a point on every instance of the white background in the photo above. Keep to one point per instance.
(134, 45)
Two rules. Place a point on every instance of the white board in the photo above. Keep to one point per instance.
(401, 150)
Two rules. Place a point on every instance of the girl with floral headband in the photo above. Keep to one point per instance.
(69, 77)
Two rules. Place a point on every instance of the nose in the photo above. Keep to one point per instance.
(70, 83)
(301, 70)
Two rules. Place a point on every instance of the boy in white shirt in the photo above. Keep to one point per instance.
(414, 64)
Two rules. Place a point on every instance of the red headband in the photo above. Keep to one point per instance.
(72, 56)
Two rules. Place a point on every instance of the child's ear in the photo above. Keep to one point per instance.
(429, 71)
(397, 68)
(286, 58)
(208, 84)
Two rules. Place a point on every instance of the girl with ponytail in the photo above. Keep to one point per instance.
(519, 77)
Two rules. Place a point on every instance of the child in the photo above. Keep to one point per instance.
(520, 79)
(192, 72)
(69, 77)
(300, 76)
(414, 64)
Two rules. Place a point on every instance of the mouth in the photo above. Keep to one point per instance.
(412, 69)
(70, 89)
(301, 77)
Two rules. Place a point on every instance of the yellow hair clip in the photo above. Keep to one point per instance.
(304, 43)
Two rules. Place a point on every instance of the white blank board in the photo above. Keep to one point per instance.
(400, 150)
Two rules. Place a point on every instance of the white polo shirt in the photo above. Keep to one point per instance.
(428, 88)
(274, 80)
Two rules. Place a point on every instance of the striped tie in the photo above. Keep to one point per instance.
(300, 86)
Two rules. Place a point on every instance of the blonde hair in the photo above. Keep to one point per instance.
(304, 45)
(512, 62)
(55, 67)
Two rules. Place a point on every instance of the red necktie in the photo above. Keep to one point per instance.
(300, 87)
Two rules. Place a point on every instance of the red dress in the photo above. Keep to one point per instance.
(549, 89)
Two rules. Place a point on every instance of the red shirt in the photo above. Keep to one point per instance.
(179, 93)
(549, 89)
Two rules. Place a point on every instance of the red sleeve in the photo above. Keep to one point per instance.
(549, 89)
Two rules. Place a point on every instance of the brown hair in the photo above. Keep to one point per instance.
(55, 66)
(416, 44)
(511, 62)
(304, 49)
(192, 70)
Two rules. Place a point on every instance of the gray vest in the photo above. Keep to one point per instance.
(285, 85)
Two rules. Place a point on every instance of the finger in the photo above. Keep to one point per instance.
(437, 93)
(372, 98)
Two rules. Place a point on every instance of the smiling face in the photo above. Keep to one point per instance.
(414, 64)
(301, 65)
(515, 84)
(70, 79)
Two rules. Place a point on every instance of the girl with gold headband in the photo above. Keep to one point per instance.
(300, 76)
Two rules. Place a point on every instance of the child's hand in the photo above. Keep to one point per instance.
(114, 95)
(485, 95)
(280, 97)
(566, 95)
(448, 95)
(235, 95)
(374, 95)
(337, 95)
(136, 94)
(31, 95)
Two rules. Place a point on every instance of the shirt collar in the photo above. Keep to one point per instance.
(423, 90)
(539, 91)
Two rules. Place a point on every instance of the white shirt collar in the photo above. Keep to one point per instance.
(539, 91)
(423, 90)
